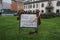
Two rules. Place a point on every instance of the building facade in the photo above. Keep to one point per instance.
(32, 5)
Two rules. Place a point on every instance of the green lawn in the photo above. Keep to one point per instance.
(48, 30)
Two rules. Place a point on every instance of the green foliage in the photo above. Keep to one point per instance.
(57, 14)
(48, 15)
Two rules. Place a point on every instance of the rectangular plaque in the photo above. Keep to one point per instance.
(26, 20)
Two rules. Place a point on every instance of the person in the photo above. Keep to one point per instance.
(38, 19)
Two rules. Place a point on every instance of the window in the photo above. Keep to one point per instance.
(30, 0)
(26, 6)
(33, 11)
(33, 0)
(57, 11)
(49, 10)
(42, 11)
(33, 5)
(58, 3)
(29, 11)
(37, 5)
(42, 5)
(30, 6)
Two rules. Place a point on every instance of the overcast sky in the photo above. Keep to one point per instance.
(7, 1)
(6, 4)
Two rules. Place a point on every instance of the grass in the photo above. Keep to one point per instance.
(48, 30)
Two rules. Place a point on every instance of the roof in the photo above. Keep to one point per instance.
(36, 1)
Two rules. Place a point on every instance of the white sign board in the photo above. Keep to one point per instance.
(26, 20)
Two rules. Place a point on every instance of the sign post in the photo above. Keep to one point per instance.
(31, 20)
(26, 21)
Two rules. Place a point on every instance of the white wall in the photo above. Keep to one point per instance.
(43, 8)
(39, 7)
(55, 6)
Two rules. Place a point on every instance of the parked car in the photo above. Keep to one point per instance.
(15, 14)
(0, 13)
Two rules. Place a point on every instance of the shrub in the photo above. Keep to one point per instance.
(43, 15)
(48, 15)
(57, 14)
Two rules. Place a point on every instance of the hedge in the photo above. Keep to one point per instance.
(48, 15)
